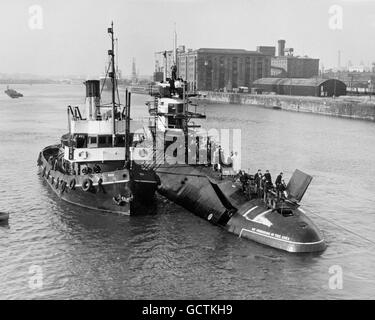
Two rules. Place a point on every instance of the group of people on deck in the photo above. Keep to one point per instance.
(263, 183)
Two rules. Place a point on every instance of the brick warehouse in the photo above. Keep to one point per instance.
(294, 67)
(290, 66)
(222, 69)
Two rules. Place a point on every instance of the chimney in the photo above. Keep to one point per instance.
(93, 98)
(281, 48)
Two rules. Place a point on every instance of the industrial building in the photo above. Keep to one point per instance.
(286, 65)
(267, 50)
(209, 69)
(302, 87)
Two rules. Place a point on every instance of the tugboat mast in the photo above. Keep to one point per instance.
(113, 76)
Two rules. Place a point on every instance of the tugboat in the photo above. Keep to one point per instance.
(13, 93)
(92, 166)
(212, 190)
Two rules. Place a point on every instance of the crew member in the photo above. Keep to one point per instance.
(279, 179)
(265, 186)
(243, 180)
(258, 180)
(279, 182)
(268, 177)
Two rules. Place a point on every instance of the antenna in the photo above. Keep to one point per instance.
(116, 55)
(175, 44)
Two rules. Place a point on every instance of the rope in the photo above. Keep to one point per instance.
(105, 78)
(341, 227)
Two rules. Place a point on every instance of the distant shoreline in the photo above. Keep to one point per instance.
(35, 81)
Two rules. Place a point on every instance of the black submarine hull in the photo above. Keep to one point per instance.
(222, 202)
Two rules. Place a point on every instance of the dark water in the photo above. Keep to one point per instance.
(173, 254)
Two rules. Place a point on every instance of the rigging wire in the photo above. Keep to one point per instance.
(341, 227)
(105, 78)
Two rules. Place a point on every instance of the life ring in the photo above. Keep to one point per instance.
(44, 171)
(72, 184)
(63, 186)
(86, 184)
(97, 169)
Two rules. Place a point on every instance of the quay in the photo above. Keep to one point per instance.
(362, 108)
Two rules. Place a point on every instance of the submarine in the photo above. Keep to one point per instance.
(211, 188)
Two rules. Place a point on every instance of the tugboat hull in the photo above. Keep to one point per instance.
(91, 200)
(101, 195)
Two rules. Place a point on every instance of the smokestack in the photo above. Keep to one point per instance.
(281, 48)
(93, 98)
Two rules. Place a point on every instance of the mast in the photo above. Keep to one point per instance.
(113, 76)
(165, 66)
(127, 126)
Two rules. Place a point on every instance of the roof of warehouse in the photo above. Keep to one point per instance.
(293, 81)
(228, 51)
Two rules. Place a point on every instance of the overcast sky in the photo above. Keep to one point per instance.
(73, 39)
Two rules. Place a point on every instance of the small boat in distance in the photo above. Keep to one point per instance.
(13, 93)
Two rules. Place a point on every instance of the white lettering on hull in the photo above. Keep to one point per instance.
(276, 236)
(259, 218)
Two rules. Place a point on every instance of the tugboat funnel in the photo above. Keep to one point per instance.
(93, 99)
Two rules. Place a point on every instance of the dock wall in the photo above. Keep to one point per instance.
(340, 107)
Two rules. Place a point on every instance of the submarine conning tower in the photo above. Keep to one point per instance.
(93, 99)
